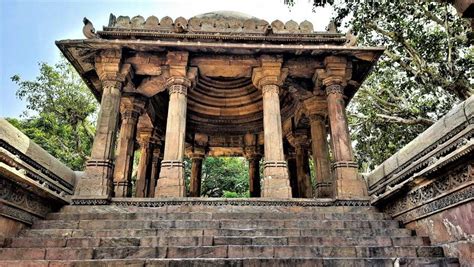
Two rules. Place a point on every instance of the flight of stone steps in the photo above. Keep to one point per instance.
(219, 236)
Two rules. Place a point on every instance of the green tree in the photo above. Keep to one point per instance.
(225, 177)
(60, 112)
(426, 68)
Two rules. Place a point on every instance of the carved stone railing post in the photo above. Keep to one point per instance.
(347, 184)
(268, 79)
(96, 186)
(323, 187)
(171, 181)
(131, 108)
(148, 140)
(300, 143)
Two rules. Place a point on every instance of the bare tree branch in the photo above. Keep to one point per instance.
(421, 121)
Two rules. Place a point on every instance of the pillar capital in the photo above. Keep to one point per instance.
(132, 106)
(109, 66)
(335, 88)
(197, 152)
(148, 136)
(315, 107)
(337, 71)
(178, 85)
(252, 153)
(177, 62)
(269, 72)
(317, 117)
(298, 139)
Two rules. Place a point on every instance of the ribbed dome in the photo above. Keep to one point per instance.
(218, 105)
(225, 15)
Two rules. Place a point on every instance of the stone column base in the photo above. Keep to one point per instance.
(122, 189)
(276, 183)
(95, 187)
(171, 181)
(348, 184)
(323, 190)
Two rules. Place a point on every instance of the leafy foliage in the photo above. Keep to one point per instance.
(222, 177)
(427, 67)
(61, 113)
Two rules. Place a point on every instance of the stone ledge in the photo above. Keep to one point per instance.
(436, 141)
(160, 202)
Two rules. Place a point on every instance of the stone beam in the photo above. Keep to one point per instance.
(153, 85)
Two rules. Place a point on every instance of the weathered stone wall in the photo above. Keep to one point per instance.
(32, 182)
(428, 184)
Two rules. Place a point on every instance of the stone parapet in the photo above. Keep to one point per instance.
(429, 184)
(32, 182)
(442, 138)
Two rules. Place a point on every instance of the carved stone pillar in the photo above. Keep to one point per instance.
(347, 182)
(196, 174)
(130, 109)
(171, 181)
(300, 142)
(155, 170)
(253, 155)
(323, 188)
(291, 159)
(148, 141)
(254, 175)
(276, 182)
(96, 186)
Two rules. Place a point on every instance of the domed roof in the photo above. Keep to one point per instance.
(224, 14)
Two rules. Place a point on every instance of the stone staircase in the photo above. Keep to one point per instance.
(227, 235)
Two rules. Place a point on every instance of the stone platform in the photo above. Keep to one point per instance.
(220, 232)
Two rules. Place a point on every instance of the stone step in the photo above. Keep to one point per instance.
(216, 216)
(216, 240)
(231, 251)
(216, 209)
(262, 262)
(345, 232)
(212, 224)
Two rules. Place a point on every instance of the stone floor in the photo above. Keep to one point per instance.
(196, 234)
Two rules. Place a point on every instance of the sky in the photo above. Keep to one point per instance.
(28, 29)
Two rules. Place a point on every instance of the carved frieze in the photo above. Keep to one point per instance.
(19, 203)
(453, 187)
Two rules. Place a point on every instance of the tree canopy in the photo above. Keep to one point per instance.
(427, 67)
(223, 177)
(60, 114)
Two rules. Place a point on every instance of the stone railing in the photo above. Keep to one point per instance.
(428, 184)
(32, 182)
